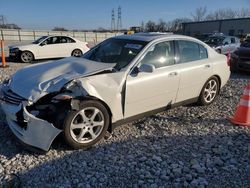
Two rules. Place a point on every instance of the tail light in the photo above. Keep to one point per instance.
(87, 44)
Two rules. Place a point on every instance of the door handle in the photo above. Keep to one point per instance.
(173, 74)
(207, 66)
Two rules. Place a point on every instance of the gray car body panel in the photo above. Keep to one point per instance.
(44, 78)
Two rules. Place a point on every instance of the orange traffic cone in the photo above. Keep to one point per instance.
(242, 114)
(3, 55)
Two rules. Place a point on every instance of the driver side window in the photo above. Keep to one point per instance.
(160, 55)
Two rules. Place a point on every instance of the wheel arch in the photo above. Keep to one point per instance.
(27, 50)
(110, 128)
(76, 49)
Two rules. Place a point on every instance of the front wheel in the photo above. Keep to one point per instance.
(85, 127)
(27, 57)
(209, 91)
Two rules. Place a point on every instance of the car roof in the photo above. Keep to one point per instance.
(147, 37)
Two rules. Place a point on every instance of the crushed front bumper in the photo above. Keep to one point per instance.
(31, 130)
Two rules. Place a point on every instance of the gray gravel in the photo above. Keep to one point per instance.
(187, 146)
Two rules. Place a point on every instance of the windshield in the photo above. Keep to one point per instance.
(39, 40)
(118, 51)
(215, 40)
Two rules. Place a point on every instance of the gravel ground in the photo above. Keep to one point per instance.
(187, 146)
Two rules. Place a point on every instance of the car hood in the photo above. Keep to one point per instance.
(37, 80)
(25, 46)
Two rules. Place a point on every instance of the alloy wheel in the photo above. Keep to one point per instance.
(87, 125)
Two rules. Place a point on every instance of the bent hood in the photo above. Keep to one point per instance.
(37, 80)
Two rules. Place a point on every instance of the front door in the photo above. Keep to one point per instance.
(146, 91)
(50, 48)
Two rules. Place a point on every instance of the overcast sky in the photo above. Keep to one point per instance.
(91, 14)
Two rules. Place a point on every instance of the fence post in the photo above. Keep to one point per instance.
(73, 34)
(96, 37)
(19, 36)
(106, 36)
(34, 34)
(2, 34)
(85, 37)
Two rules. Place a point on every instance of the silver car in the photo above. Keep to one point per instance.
(119, 80)
(223, 44)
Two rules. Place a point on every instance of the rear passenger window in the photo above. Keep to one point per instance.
(191, 51)
(66, 40)
(232, 40)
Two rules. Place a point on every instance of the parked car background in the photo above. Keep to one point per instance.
(240, 59)
(223, 44)
(48, 47)
(119, 80)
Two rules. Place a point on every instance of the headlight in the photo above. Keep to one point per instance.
(14, 50)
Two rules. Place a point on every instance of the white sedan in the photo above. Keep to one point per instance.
(49, 47)
(120, 80)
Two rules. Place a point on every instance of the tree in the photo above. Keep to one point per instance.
(199, 14)
(176, 25)
(243, 13)
(150, 26)
(222, 14)
(142, 27)
(59, 29)
(161, 26)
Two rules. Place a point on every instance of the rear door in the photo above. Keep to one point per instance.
(67, 46)
(146, 91)
(194, 69)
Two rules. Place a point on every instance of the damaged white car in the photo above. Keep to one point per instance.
(119, 80)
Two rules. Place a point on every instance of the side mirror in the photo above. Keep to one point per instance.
(147, 68)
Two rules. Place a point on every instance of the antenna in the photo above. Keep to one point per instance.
(112, 20)
(119, 20)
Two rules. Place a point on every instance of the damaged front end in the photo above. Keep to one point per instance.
(35, 124)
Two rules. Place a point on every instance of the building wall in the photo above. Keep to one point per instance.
(228, 27)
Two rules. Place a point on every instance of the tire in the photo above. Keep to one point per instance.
(209, 91)
(76, 53)
(26, 57)
(85, 127)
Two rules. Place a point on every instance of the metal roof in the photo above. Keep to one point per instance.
(146, 36)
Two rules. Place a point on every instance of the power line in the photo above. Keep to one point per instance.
(119, 19)
(112, 20)
(2, 20)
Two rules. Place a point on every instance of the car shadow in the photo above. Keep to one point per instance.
(149, 155)
(124, 163)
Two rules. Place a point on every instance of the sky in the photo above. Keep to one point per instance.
(92, 14)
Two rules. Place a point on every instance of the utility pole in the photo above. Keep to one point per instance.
(119, 20)
(112, 20)
(2, 20)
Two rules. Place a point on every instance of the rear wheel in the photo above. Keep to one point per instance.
(27, 57)
(85, 127)
(209, 91)
(76, 53)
